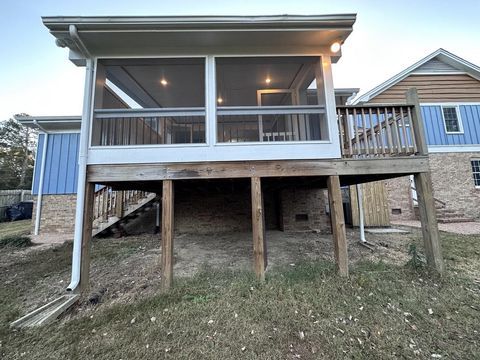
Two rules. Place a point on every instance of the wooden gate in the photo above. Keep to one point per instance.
(375, 204)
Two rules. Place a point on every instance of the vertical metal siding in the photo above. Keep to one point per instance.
(435, 128)
(61, 167)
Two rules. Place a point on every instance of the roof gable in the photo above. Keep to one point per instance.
(438, 62)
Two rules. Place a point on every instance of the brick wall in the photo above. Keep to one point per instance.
(304, 209)
(453, 182)
(57, 215)
(400, 203)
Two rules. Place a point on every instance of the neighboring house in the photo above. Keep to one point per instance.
(233, 117)
(449, 94)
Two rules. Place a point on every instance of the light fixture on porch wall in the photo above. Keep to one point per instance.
(335, 47)
(164, 82)
(219, 100)
(268, 80)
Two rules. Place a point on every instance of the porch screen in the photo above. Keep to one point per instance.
(149, 102)
(270, 99)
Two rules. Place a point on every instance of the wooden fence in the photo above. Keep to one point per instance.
(10, 197)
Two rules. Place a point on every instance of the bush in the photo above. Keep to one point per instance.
(19, 241)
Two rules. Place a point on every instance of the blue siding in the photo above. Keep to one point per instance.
(435, 129)
(61, 167)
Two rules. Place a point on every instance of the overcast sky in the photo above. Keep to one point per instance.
(37, 78)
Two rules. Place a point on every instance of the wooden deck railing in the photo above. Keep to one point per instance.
(113, 203)
(382, 130)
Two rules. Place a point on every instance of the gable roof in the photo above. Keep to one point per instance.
(441, 60)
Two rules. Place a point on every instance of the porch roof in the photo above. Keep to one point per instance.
(52, 123)
(151, 35)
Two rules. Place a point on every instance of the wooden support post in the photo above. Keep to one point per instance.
(258, 229)
(428, 218)
(338, 224)
(119, 204)
(86, 236)
(167, 234)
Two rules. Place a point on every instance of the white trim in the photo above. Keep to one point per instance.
(459, 103)
(459, 119)
(453, 148)
(38, 212)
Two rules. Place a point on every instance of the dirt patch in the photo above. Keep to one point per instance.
(132, 268)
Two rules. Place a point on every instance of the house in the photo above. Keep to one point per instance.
(224, 108)
(449, 94)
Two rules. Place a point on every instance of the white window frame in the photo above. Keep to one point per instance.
(459, 118)
(473, 172)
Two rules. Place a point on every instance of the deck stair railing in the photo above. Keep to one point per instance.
(111, 206)
(378, 130)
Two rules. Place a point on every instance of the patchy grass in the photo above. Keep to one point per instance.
(15, 228)
(306, 311)
(17, 241)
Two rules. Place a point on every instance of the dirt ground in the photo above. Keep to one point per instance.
(137, 273)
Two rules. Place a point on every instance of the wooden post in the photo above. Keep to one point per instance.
(428, 218)
(338, 224)
(119, 204)
(258, 229)
(417, 122)
(167, 235)
(86, 236)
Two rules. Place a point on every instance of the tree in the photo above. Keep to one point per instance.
(17, 155)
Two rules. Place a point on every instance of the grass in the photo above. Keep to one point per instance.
(381, 312)
(14, 228)
(18, 241)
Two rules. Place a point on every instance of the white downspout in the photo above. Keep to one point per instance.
(82, 176)
(360, 213)
(38, 212)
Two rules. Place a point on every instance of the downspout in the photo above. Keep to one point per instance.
(360, 213)
(82, 162)
(38, 211)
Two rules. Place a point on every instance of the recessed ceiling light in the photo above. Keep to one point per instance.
(335, 47)
(164, 82)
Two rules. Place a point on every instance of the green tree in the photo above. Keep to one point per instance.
(17, 155)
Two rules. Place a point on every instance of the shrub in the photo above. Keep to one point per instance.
(19, 241)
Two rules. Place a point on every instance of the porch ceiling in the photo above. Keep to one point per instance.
(141, 36)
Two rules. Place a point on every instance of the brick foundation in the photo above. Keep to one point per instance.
(452, 182)
(57, 215)
(304, 209)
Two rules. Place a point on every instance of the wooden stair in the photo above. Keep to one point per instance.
(111, 207)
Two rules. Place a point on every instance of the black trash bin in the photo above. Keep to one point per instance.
(19, 211)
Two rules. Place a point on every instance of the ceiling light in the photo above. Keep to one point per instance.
(335, 47)
(164, 82)
(268, 80)
(219, 100)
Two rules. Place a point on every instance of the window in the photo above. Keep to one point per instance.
(451, 118)
(476, 172)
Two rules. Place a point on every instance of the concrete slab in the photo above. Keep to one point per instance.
(386, 231)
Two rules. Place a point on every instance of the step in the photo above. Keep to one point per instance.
(454, 220)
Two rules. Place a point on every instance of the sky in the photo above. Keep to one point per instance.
(38, 79)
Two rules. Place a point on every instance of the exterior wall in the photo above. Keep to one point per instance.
(296, 203)
(57, 215)
(61, 167)
(400, 203)
(433, 88)
(453, 182)
(435, 127)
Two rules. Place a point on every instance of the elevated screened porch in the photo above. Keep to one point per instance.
(210, 108)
